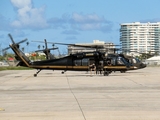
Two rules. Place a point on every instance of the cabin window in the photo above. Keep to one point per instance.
(82, 62)
(77, 62)
(85, 62)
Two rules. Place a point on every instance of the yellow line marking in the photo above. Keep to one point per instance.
(2, 109)
(27, 77)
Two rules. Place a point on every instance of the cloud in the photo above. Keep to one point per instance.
(90, 22)
(62, 22)
(19, 33)
(70, 32)
(20, 3)
(150, 20)
(81, 22)
(28, 16)
(71, 38)
(89, 18)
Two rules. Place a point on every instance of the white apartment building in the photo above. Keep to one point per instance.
(140, 37)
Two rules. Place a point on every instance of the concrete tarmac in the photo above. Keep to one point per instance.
(134, 95)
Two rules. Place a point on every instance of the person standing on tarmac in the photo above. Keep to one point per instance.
(92, 67)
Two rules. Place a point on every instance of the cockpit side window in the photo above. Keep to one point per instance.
(138, 61)
(134, 60)
(120, 61)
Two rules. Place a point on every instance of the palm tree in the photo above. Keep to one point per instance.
(23, 49)
(27, 45)
(39, 46)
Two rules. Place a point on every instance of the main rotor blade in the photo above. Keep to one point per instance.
(40, 50)
(97, 46)
(52, 48)
(38, 41)
(46, 49)
(86, 46)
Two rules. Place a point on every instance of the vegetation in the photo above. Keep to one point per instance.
(14, 68)
(145, 56)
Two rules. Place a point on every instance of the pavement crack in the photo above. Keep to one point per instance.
(75, 97)
(134, 82)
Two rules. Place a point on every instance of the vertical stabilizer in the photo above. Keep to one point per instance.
(20, 56)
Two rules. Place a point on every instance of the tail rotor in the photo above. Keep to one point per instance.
(22, 41)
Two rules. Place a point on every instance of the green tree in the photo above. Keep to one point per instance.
(2, 58)
(23, 49)
(27, 43)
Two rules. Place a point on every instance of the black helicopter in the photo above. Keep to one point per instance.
(111, 58)
(74, 62)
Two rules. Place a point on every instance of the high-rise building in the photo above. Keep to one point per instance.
(140, 37)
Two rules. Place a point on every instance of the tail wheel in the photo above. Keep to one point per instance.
(122, 71)
(106, 73)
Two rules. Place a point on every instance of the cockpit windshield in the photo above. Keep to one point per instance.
(138, 61)
(121, 61)
(134, 60)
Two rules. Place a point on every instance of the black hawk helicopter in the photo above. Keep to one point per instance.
(111, 58)
(74, 62)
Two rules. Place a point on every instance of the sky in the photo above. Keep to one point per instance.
(71, 21)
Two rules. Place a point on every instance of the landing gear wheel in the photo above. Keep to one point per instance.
(106, 73)
(35, 75)
(63, 71)
(122, 71)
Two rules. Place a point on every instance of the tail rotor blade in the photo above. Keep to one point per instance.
(16, 44)
(22, 41)
(11, 38)
(52, 48)
(5, 49)
(39, 50)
